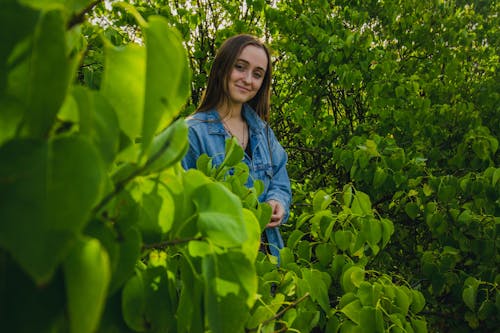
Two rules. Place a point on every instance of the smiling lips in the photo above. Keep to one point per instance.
(242, 88)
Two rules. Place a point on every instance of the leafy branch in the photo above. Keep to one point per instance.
(121, 184)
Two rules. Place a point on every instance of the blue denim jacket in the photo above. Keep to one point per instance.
(208, 136)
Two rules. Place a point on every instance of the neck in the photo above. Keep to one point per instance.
(230, 111)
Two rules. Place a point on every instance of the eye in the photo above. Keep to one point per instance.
(239, 67)
(258, 75)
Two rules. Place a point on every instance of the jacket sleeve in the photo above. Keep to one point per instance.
(279, 187)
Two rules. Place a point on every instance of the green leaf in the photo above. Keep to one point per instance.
(129, 249)
(294, 238)
(192, 179)
(72, 5)
(379, 177)
(10, 117)
(446, 193)
(160, 304)
(156, 214)
(322, 224)
(14, 65)
(224, 298)
(419, 325)
(471, 319)
(236, 267)
(325, 253)
(469, 293)
(234, 153)
(317, 287)
(371, 229)
(106, 234)
(321, 200)
(371, 319)
(347, 195)
(481, 147)
(287, 257)
(418, 301)
(117, 82)
(220, 216)
(167, 82)
(204, 164)
(13, 13)
(369, 294)
(305, 321)
(263, 213)
(48, 75)
(496, 177)
(87, 274)
(400, 91)
(486, 309)
(289, 317)
(352, 278)
(134, 304)
(397, 319)
(343, 239)
(189, 314)
(48, 188)
(387, 230)
(347, 298)
(200, 249)
(403, 300)
(361, 205)
(168, 147)
(98, 122)
(352, 311)
(251, 246)
(337, 265)
(412, 210)
(78, 5)
(266, 311)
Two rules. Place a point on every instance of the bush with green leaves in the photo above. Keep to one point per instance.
(101, 228)
(447, 227)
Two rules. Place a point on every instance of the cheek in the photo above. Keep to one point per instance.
(235, 75)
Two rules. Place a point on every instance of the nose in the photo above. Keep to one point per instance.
(247, 77)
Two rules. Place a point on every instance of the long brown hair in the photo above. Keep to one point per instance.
(217, 92)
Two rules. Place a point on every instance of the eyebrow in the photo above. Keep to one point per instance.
(246, 62)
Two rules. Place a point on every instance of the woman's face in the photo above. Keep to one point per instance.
(247, 75)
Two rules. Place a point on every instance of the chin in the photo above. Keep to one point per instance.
(240, 100)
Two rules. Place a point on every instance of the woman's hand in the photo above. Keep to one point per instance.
(278, 213)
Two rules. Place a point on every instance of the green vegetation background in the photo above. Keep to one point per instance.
(389, 111)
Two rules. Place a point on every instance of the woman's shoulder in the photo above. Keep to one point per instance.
(202, 117)
(206, 122)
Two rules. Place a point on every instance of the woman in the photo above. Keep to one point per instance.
(236, 103)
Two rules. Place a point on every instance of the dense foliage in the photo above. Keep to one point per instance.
(389, 111)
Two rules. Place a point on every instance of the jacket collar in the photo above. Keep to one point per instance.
(253, 120)
(215, 125)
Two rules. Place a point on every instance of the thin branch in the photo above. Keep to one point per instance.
(78, 18)
(281, 313)
(309, 150)
(162, 245)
